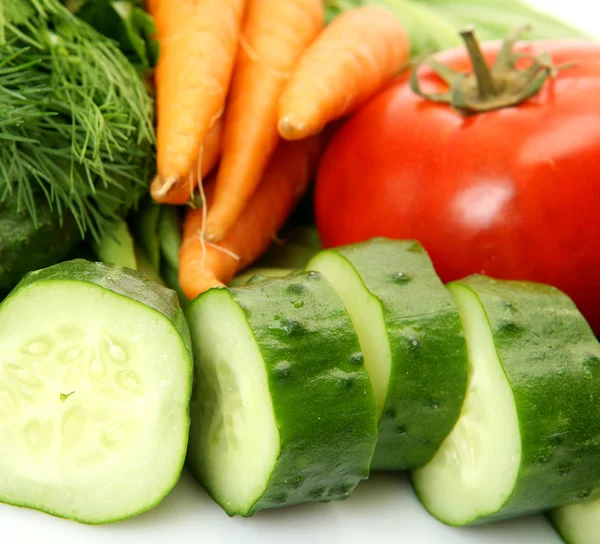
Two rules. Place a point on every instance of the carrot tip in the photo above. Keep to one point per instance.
(163, 187)
(290, 130)
(213, 235)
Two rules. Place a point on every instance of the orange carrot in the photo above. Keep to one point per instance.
(198, 44)
(182, 192)
(274, 36)
(350, 60)
(206, 265)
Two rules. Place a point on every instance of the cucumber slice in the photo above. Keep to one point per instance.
(95, 380)
(527, 437)
(412, 339)
(282, 411)
(578, 523)
(247, 275)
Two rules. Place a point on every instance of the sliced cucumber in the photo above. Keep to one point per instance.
(411, 336)
(283, 411)
(578, 523)
(527, 439)
(248, 274)
(95, 380)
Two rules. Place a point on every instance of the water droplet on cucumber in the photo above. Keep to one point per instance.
(283, 371)
(357, 359)
(400, 278)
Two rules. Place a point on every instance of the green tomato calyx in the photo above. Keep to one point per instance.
(489, 88)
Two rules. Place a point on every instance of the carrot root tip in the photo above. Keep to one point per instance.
(290, 129)
(163, 187)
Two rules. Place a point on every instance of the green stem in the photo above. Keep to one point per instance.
(485, 81)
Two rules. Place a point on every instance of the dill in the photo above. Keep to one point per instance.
(76, 122)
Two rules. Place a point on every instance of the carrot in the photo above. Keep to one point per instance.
(274, 36)
(182, 191)
(198, 41)
(206, 265)
(350, 60)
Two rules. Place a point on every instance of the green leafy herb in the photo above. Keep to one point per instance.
(433, 25)
(76, 123)
(127, 22)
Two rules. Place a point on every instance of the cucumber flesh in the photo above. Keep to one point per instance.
(578, 523)
(94, 392)
(367, 317)
(475, 470)
(235, 416)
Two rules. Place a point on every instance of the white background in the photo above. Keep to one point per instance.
(382, 510)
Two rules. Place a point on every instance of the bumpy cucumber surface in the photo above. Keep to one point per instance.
(95, 381)
(578, 523)
(527, 439)
(410, 333)
(283, 411)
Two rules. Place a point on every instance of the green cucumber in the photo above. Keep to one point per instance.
(578, 523)
(249, 273)
(26, 245)
(528, 437)
(294, 246)
(95, 382)
(282, 411)
(116, 246)
(145, 223)
(169, 235)
(412, 339)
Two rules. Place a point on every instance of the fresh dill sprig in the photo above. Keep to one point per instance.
(76, 122)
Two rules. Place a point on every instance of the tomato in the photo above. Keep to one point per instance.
(512, 193)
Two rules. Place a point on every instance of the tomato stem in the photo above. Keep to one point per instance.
(485, 89)
(485, 80)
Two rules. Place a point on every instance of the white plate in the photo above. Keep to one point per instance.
(383, 509)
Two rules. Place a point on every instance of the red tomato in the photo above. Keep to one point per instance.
(512, 193)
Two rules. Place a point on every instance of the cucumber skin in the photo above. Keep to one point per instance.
(25, 246)
(122, 281)
(428, 382)
(324, 452)
(559, 419)
(130, 284)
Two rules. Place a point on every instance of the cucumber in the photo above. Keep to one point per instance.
(116, 246)
(169, 235)
(528, 436)
(412, 339)
(145, 223)
(282, 411)
(578, 523)
(249, 273)
(26, 245)
(95, 382)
